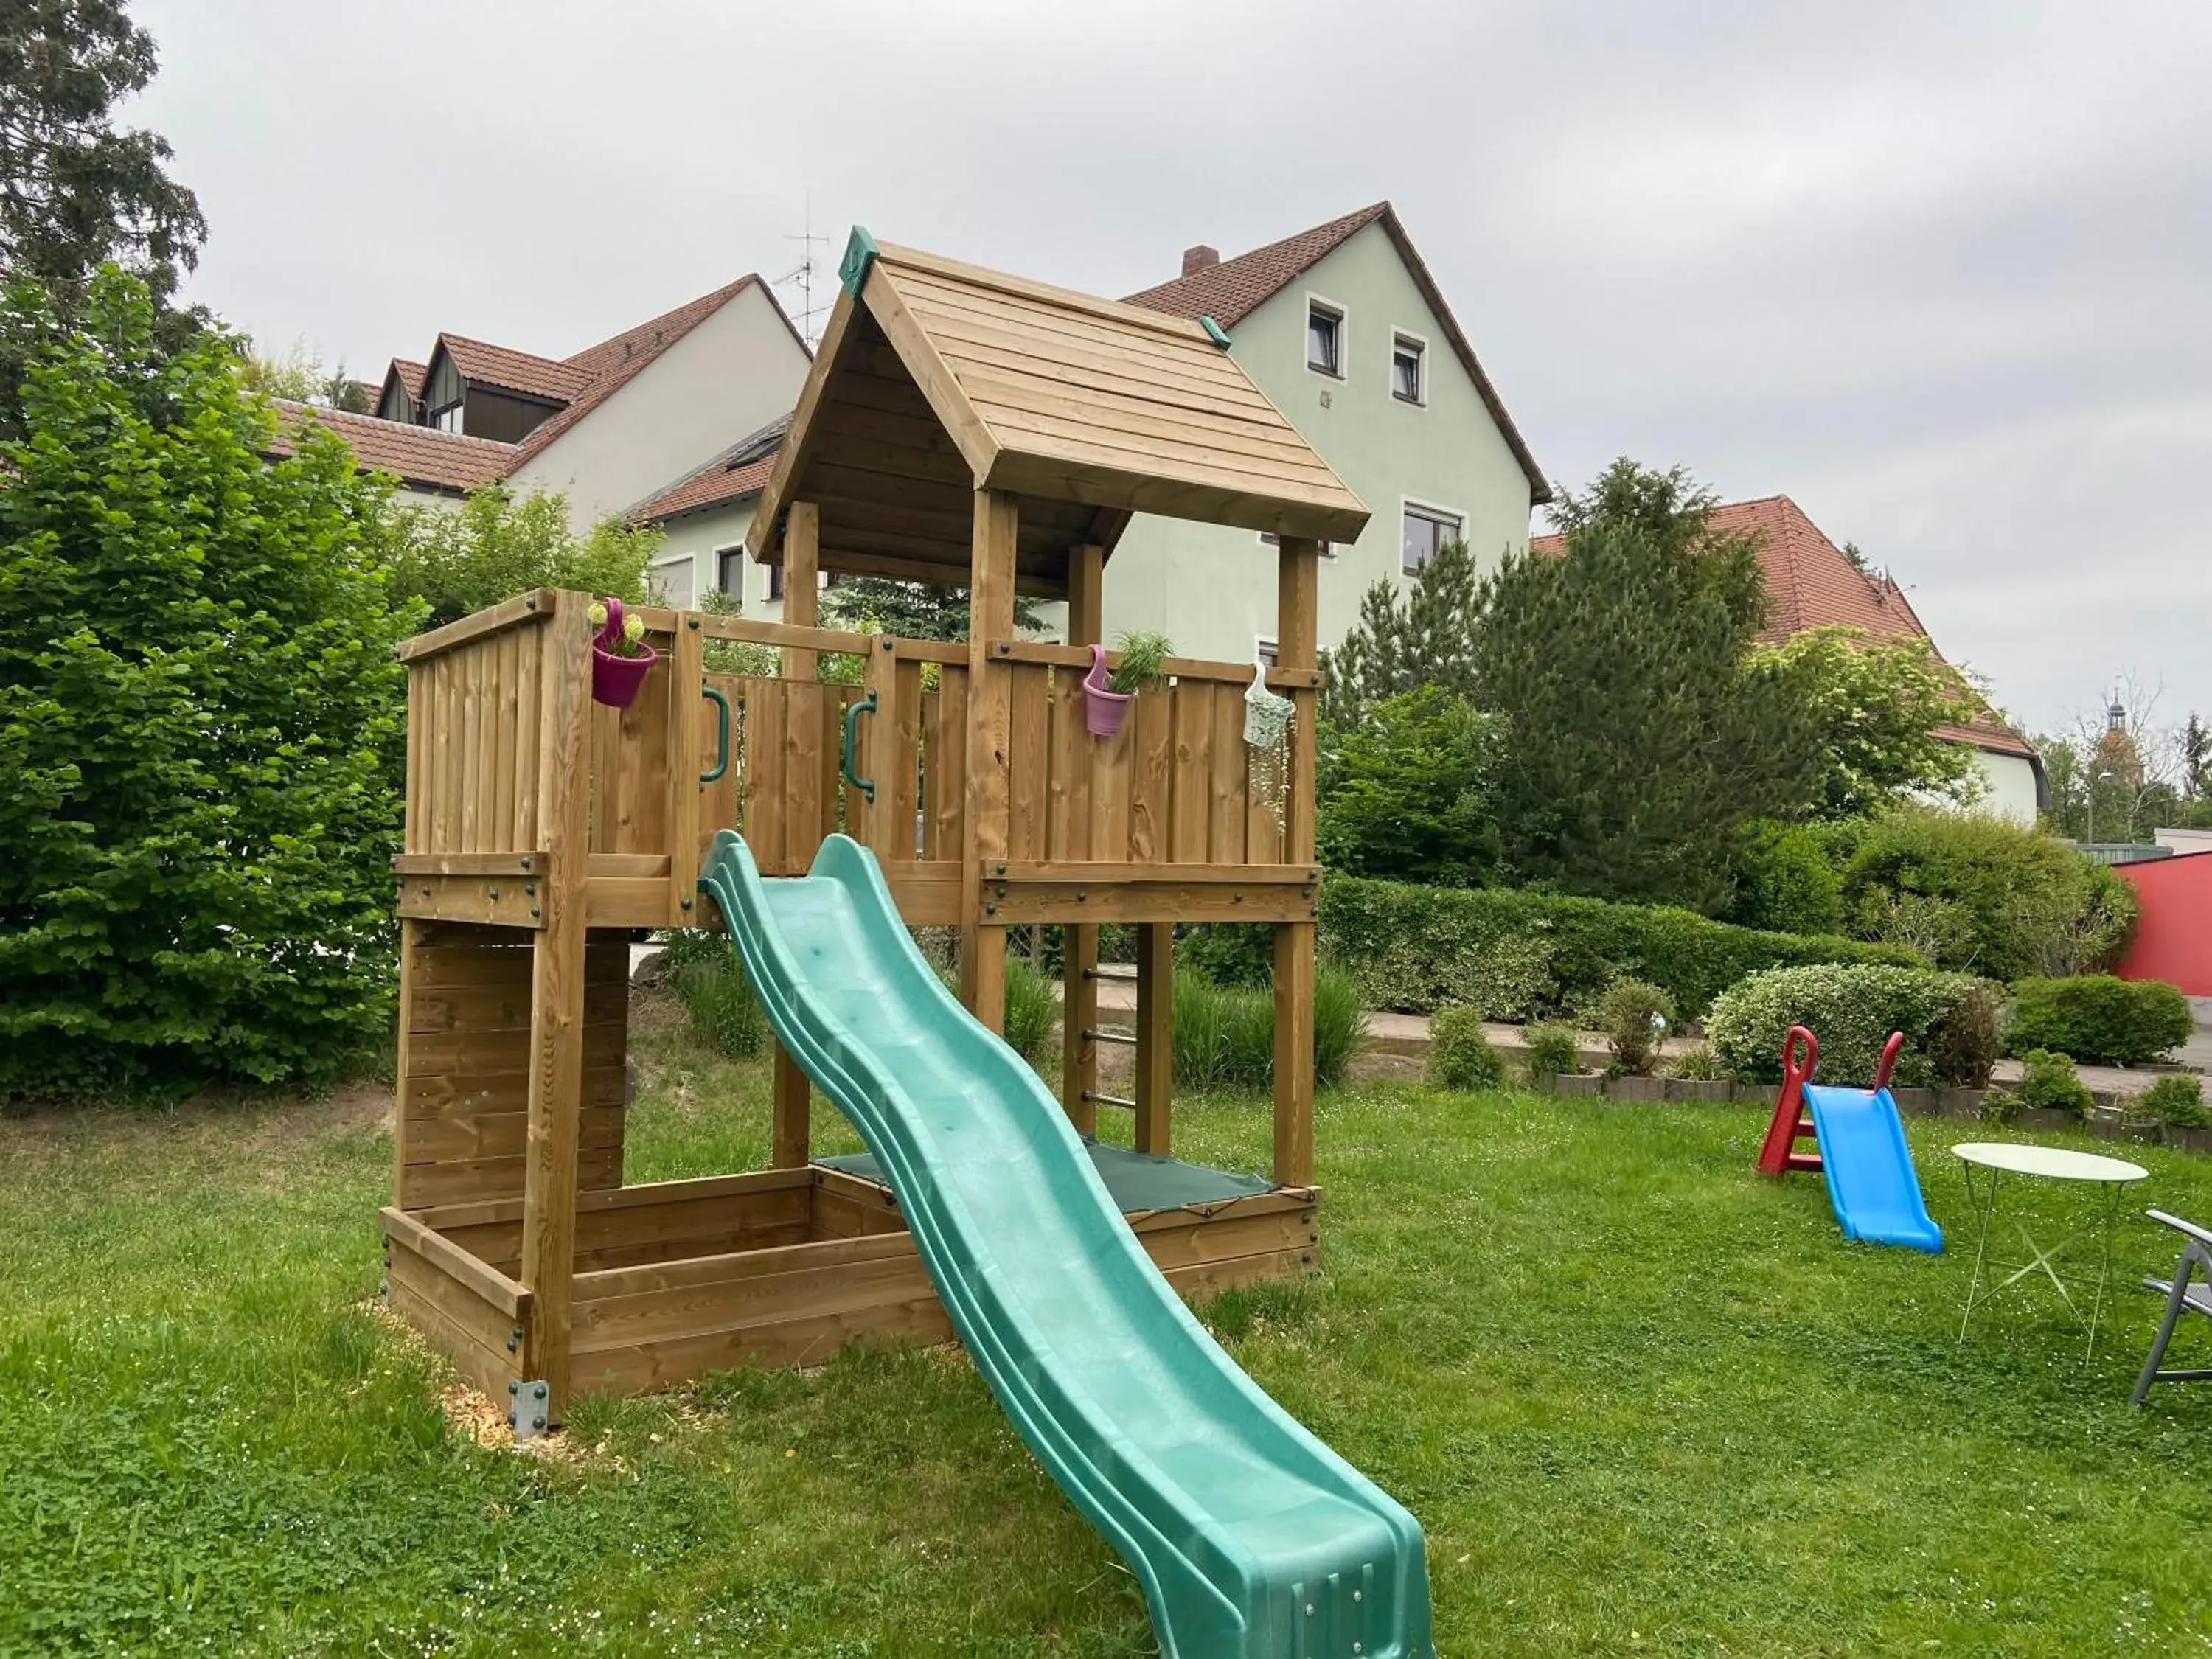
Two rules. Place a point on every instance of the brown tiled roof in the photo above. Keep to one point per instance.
(412, 375)
(738, 472)
(1233, 290)
(419, 455)
(509, 370)
(705, 489)
(1811, 584)
(612, 363)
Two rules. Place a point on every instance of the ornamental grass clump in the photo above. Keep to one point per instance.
(1144, 659)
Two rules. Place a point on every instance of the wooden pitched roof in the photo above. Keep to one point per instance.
(941, 378)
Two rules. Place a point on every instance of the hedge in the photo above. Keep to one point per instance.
(1949, 1022)
(2097, 1020)
(1520, 955)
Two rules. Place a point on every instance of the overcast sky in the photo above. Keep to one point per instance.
(1942, 272)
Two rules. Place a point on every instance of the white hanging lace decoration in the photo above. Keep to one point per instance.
(1267, 742)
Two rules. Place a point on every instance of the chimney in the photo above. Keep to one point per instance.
(1195, 259)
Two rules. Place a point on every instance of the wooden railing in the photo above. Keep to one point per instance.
(1169, 796)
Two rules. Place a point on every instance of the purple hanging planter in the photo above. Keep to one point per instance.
(616, 681)
(1103, 710)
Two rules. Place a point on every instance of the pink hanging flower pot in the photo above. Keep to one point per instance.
(1103, 710)
(617, 678)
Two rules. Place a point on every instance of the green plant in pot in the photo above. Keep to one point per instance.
(1106, 696)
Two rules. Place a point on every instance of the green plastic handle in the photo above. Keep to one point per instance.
(721, 734)
(865, 706)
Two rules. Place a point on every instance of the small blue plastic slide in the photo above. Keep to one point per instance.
(1868, 1168)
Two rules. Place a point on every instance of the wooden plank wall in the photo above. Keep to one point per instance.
(660, 1221)
(782, 789)
(1169, 788)
(630, 763)
(471, 771)
(464, 1082)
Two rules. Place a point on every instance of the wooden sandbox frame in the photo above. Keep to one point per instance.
(940, 437)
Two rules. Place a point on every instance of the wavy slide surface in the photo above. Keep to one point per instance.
(1250, 1537)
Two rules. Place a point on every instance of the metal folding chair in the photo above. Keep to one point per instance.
(2181, 1297)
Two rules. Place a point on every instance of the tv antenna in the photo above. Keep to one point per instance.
(803, 275)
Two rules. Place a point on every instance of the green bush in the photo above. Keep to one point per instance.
(1949, 1022)
(2048, 1082)
(1979, 894)
(2098, 1019)
(1786, 883)
(201, 725)
(1224, 1035)
(1405, 791)
(709, 981)
(1460, 1056)
(2177, 1100)
(1552, 1049)
(1634, 1017)
(1519, 955)
(1228, 953)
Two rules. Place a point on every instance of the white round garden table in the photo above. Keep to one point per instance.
(1996, 1159)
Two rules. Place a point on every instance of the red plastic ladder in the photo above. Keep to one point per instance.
(1793, 1119)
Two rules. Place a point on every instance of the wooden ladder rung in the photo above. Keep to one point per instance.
(1128, 1037)
(1109, 1100)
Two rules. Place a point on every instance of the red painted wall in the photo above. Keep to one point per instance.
(2173, 940)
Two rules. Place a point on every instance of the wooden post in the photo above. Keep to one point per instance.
(990, 690)
(687, 733)
(1155, 1035)
(556, 998)
(1078, 996)
(802, 582)
(795, 1104)
(1297, 622)
(879, 756)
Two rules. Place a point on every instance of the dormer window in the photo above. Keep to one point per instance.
(1324, 338)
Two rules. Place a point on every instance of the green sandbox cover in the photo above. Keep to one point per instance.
(1137, 1180)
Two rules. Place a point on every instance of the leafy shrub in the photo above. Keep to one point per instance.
(1698, 1064)
(1224, 1035)
(1460, 1056)
(1949, 1022)
(710, 981)
(1552, 1049)
(1786, 883)
(1634, 1017)
(201, 724)
(1978, 894)
(1404, 792)
(2098, 1019)
(2049, 1082)
(1519, 955)
(2177, 1100)
(1228, 953)
(496, 545)
(1032, 1010)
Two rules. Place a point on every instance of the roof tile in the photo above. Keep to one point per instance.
(514, 371)
(418, 455)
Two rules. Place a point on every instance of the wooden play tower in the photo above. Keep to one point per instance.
(960, 428)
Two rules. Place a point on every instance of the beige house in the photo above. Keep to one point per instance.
(604, 426)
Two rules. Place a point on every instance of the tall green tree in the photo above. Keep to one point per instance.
(1406, 791)
(201, 723)
(1635, 759)
(1876, 707)
(1402, 642)
(76, 191)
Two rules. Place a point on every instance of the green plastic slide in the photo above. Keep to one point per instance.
(1249, 1536)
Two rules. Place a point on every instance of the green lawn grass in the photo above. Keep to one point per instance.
(1643, 1402)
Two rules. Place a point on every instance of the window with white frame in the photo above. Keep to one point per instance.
(1425, 530)
(1266, 650)
(1324, 338)
(1409, 369)
(730, 572)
